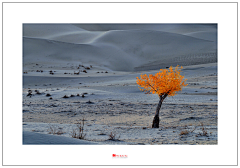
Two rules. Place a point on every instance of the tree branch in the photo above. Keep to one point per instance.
(151, 87)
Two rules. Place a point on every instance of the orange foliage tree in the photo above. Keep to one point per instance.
(164, 83)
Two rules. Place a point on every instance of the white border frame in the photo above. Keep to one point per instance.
(15, 14)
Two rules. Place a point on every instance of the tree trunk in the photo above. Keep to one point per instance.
(156, 120)
(155, 123)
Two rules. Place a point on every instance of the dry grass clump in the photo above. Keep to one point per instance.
(65, 96)
(76, 73)
(112, 137)
(29, 94)
(185, 132)
(48, 95)
(204, 131)
(37, 92)
(51, 72)
(79, 131)
(89, 102)
(55, 130)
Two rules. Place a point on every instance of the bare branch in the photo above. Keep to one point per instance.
(152, 87)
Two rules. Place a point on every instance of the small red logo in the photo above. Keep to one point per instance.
(119, 156)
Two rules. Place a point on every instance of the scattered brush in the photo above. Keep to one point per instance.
(51, 72)
(112, 137)
(65, 96)
(37, 92)
(29, 94)
(204, 131)
(55, 130)
(48, 95)
(83, 94)
(79, 131)
(186, 132)
(89, 102)
(72, 95)
(76, 73)
(85, 71)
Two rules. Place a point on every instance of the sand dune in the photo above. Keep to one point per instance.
(174, 28)
(83, 37)
(206, 35)
(143, 43)
(59, 32)
(48, 30)
(119, 50)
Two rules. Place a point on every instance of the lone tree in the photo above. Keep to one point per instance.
(164, 83)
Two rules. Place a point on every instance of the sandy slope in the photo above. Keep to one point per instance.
(206, 35)
(118, 50)
(49, 30)
(174, 28)
(115, 55)
(37, 138)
